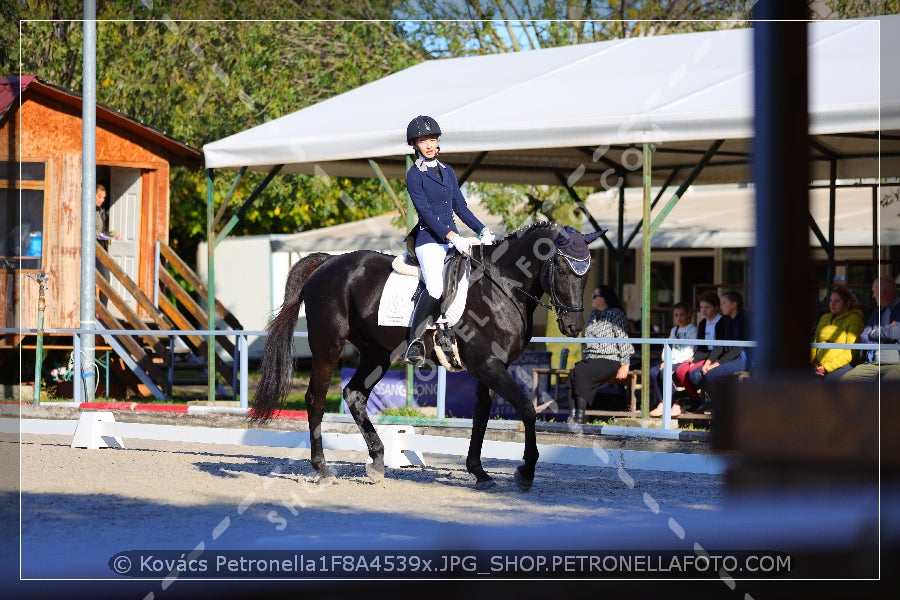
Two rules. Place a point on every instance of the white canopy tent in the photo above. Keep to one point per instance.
(573, 114)
(581, 115)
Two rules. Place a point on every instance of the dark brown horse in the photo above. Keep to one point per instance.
(342, 294)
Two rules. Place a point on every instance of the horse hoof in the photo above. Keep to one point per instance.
(325, 480)
(524, 484)
(486, 485)
(375, 475)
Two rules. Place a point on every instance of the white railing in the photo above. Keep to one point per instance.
(242, 370)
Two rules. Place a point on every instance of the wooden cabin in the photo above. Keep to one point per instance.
(41, 209)
(40, 154)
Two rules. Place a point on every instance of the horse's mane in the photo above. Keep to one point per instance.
(526, 229)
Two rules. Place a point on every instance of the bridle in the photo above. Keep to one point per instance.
(584, 264)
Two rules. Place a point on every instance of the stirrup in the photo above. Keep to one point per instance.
(415, 357)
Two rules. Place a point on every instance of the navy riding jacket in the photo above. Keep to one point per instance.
(436, 199)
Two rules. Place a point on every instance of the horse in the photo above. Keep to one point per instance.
(342, 294)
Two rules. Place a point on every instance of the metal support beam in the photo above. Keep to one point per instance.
(227, 199)
(875, 242)
(384, 183)
(564, 182)
(832, 200)
(246, 205)
(695, 172)
(471, 168)
(645, 283)
(662, 190)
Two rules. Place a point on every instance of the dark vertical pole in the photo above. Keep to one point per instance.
(781, 263)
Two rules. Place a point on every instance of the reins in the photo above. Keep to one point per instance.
(555, 304)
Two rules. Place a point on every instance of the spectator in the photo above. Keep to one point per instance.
(101, 221)
(842, 324)
(882, 327)
(600, 360)
(725, 361)
(684, 329)
(714, 326)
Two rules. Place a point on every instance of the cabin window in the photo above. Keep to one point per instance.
(21, 215)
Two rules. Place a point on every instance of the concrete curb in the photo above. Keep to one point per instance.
(453, 426)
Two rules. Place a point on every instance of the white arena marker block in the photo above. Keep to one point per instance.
(399, 446)
(90, 431)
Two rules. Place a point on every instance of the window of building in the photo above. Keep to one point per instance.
(21, 215)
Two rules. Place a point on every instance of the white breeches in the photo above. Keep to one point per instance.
(431, 261)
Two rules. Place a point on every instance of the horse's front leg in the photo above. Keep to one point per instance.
(373, 365)
(482, 411)
(495, 372)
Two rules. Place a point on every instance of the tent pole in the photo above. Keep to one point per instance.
(210, 289)
(411, 219)
(88, 192)
(620, 250)
(645, 283)
(875, 256)
(832, 200)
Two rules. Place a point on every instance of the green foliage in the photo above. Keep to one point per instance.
(401, 411)
(854, 9)
(169, 65)
(200, 80)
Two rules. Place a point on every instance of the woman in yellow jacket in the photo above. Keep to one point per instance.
(842, 324)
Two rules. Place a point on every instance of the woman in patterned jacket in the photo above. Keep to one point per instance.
(600, 360)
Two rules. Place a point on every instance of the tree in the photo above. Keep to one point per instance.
(855, 9)
(203, 80)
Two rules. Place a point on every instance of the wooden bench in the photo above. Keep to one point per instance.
(631, 381)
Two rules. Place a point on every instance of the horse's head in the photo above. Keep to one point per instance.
(563, 277)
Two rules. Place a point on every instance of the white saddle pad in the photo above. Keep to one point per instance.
(396, 305)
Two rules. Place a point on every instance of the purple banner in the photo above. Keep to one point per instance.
(460, 397)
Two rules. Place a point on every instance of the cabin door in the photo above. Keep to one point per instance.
(125, 220)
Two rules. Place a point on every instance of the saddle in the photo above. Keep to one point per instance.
(456, 267)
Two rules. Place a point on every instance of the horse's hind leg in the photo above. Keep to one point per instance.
(480, 416)
(319, 380)
(373, 364)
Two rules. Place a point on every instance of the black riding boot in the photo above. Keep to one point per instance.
(576, 411)
(426, 310)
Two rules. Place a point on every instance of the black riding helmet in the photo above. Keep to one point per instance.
(421, 126)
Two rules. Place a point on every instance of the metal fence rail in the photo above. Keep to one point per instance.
(242, 371)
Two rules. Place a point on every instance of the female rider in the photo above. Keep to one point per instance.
(435, 193)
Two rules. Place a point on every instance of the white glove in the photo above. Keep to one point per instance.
(486, 237)
(461, 244)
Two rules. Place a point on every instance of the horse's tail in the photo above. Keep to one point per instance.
(277, 368)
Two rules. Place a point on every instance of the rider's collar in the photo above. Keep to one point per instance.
(423, 165)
